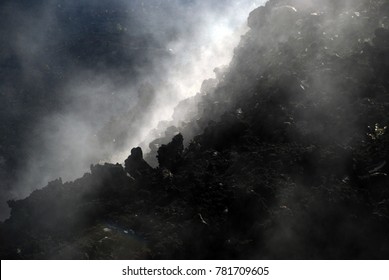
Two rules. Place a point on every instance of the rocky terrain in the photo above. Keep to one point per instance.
(284, 155)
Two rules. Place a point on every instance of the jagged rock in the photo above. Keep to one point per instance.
(154, 145)
(257, 18)
(135, 165)
(170, 155)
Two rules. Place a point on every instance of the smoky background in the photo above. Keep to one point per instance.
(82, 82)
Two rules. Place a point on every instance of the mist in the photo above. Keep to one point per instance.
(84, 82)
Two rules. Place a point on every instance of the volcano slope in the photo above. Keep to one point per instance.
(284, 156)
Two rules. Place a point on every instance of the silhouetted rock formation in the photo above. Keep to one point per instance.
(135, 165)
(170, 155)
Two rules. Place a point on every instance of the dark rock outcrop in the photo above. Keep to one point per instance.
(136, 166)
(170, 155)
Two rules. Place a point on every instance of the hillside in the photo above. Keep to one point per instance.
(284, 155)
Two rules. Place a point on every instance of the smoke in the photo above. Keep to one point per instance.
(86, 81)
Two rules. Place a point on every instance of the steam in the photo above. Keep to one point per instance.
(108, 93)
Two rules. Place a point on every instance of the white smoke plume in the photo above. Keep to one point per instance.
(156, 54)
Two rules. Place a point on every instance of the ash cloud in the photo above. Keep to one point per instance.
(83, 82)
